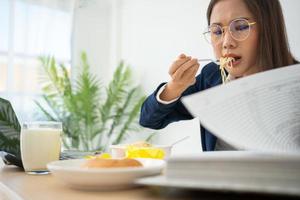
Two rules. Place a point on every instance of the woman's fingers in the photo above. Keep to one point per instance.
(186, 77)
(182, 56)
(177, 63)
(191, 72)
(184, 67)
(183, 71)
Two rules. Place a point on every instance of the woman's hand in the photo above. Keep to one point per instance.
(182, 72)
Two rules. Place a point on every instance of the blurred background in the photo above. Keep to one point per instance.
(147, 34)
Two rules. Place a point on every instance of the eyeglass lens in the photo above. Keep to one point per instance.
(239, 30)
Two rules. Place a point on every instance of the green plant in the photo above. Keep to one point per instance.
(93, 116)
(9, 129)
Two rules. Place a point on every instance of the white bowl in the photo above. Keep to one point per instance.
(119, 151)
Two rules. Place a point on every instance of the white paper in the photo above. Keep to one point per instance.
(258, 112)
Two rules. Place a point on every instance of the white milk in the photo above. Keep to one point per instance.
(39, 146)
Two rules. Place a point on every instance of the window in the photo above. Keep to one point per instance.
(29, 29)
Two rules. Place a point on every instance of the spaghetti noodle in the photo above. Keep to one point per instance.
(225, 62)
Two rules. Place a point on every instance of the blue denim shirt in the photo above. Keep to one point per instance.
(157, 116)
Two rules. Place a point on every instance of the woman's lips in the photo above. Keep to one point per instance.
(236, 62)
(237, 59)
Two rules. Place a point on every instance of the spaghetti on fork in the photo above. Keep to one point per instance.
(225, 61)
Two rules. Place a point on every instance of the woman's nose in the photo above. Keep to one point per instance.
(228, 41)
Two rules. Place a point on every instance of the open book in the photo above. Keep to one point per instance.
(258, 112)
(238, 171)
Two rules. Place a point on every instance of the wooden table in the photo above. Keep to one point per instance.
(46, 187)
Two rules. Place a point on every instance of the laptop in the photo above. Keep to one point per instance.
(10, 129)
(9, 134)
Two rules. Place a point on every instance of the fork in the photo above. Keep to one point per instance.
(208, 59)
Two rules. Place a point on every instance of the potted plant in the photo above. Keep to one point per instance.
(93, 116)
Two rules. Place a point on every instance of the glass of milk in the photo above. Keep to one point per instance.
(40, 144)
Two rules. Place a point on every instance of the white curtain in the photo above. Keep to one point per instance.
(29, 29)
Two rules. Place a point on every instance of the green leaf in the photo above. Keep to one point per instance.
(92, 115)
(9, 129)
(132, 116)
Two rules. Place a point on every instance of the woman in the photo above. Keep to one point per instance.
(248, 36)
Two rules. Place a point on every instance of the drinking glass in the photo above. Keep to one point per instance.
(40, 144)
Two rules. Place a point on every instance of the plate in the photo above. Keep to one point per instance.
(70, 172)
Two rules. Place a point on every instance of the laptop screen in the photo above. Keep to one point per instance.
(9, 134)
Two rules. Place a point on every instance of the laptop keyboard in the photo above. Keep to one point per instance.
(68, 154)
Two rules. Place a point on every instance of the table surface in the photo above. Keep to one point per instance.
(46, 187)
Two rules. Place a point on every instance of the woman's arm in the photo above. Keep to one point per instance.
(155, 112)
(157, 115)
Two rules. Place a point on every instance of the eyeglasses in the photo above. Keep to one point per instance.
(239, 29)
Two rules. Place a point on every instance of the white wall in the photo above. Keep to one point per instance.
(148, 35)
(291, 9)
(92, 32)
(155, 32)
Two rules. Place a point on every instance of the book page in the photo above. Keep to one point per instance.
(258, 112)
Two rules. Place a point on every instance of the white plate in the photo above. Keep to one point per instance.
(70, 172)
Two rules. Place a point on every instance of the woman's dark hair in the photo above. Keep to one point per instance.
(273, 50)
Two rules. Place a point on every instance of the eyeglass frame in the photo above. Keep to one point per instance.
(224, 27)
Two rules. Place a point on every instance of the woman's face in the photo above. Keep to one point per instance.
(224, 12)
